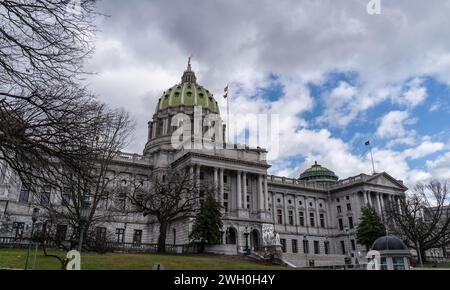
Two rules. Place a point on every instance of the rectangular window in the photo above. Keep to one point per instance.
(225, 195)
(45, 198)
(305, 247)
(343, 247)
(326, 246)
(283, 245)
(291, 217)
(225, 206)
(301, 215)
(316, 248)
(120, 233)
(353, 245)
(100, 234)
(311, 219)
(398, 263)
(322, 220)
(137, 237)
(339, 210)
(341, 225)
(66, 199)
(24, 195)
(294, 246)
(280, 216)
(121, 201)
(350, 222)
(61, 232)
(349, 207)
(225, 179)
(18, 230)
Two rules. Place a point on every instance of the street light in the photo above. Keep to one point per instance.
(84, 212)
(34, 218)
(247, 233)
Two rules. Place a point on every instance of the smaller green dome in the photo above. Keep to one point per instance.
(319, 173)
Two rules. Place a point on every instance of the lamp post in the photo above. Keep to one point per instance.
(84, 212)
(247, 233)
(34, 218)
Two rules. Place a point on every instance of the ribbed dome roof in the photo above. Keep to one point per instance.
(188, 93)
(318, 173)
(387, 243)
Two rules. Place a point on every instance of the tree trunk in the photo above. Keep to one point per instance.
(162, 237)
(423, 255)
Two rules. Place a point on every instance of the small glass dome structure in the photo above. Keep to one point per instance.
(392, 253)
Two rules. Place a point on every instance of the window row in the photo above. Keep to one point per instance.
(306, 246)
(301, 218)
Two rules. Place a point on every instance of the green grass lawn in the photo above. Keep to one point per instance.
(442, 265)
(15, 258)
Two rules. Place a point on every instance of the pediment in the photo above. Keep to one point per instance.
(385, 179)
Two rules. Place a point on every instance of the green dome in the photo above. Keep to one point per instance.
(319, 173)
(187, 93)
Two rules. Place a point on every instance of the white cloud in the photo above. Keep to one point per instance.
(424, 149)
(440, 168)
(414, 95)
(392, 124)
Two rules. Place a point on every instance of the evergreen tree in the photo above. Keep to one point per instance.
(370, 228)
(207, 229)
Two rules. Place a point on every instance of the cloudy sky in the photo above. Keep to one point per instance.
(335, 75)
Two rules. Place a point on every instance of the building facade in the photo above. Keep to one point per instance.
(315, 215)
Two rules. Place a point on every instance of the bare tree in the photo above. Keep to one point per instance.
(422, 219)
(168, 197)
(92, 179)
(44, 112)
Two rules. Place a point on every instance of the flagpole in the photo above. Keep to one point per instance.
(228, 115)
(371, 156)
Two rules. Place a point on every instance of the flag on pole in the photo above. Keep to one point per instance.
(367, 143)
(226, 92)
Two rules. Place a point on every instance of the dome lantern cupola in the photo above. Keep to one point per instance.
(189, 75)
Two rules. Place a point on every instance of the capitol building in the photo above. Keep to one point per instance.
(314, 215)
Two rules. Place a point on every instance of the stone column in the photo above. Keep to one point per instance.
(383, 209)
(216, 183)
(317, 219)
(377, 196)
(307, 224)
(286, 215)
(238, 190)
(266, 195)
(296, 217)
(221, 186)
(260, 194)
(365, 198)
(244, 191)
(197, 177)
(191, 172)
(369, 197)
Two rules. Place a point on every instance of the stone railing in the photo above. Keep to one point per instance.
(293, 181)
(133, 158)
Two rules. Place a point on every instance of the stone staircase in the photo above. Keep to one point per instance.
(302, 260)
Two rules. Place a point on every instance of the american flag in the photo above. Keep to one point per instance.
(226, 92)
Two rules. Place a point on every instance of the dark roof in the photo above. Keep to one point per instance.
(388, 243)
